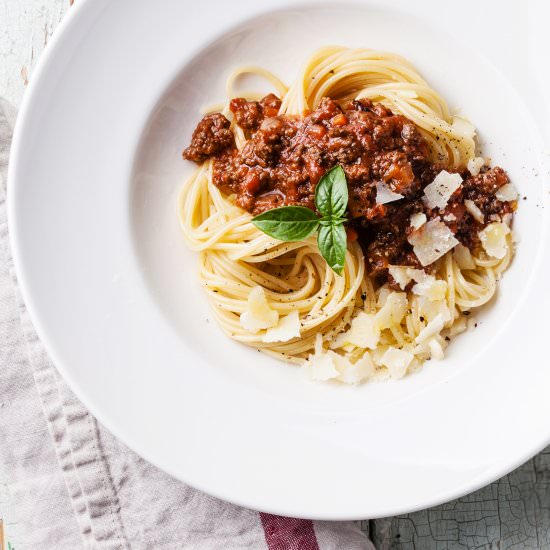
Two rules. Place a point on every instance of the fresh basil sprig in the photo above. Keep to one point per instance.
(296, 223)
(288, 223)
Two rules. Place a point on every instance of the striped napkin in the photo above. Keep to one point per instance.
(70, 484)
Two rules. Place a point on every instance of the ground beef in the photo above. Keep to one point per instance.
(250, 114)
(285, 156)
(211, 137)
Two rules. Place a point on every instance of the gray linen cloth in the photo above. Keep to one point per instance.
(67, 483)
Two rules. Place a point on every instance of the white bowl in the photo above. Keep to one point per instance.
(114, 293)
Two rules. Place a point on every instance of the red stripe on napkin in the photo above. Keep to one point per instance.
(283, 533)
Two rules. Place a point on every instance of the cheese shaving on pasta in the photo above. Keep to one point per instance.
(258, 315)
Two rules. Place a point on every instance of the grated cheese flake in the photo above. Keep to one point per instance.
(403, 275)
(418, 220)
(493, 239)
(430, 310)
(432, 241)
(436, 349)
(327, 365)
(431, 288)
(353, 373)
(438, 193)
(363, 333)
(435, 326)
(383, 293)
(507, 193)
(287, 329)
(473, 209)
(392, 312)
(397, 361)
(321, 366)
(258, 315)
(418, 275)
(475, 165)
(400, 275)
(384, 194)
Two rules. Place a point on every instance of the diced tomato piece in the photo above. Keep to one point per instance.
(252, 183)
(339, 120)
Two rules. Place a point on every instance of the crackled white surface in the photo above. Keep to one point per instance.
(513, 512)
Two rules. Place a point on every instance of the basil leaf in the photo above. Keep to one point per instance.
(331, 240)
(332, 221)
(331, 193)
(287, 223)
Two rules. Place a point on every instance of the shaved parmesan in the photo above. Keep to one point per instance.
(383, 294)
(353, 373)
(493, 239)
(431, 288)
(507, 193)
(397, 361)
(418, 220)
(463, 257)
(432, 241)
(341, 341)
(321, 366)
(287, 329)
(327, 365)
(476, 213)
(464, 127)
(418, 275)
(392, 311)
(422, 350)
(475, 165)
(363, 333)
(435, 326)
(258, 315)
(384, 194)
(400, 275)
(436, 349)
(431, 309)
(403, 275)
(438, 193)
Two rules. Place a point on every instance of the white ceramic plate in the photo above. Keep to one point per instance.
(114, 295)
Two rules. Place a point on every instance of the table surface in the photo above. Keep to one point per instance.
(512, 513)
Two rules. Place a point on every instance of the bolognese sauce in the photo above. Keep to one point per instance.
(284, 157)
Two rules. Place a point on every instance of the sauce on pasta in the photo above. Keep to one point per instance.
(428, 220)
(284, 157)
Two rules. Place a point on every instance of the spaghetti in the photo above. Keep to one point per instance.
(358, 325)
